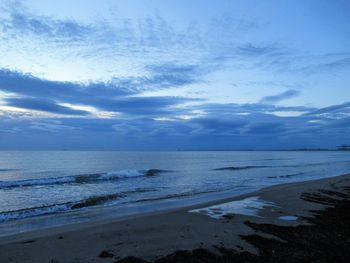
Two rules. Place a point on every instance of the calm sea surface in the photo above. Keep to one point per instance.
(41, 189)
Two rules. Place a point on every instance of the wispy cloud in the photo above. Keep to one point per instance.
(281, 96)
(249, 49)
(326, 63)
(121, 48)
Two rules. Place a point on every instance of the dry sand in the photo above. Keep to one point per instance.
(155, 235)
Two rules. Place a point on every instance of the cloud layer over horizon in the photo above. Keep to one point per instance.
(227, 79)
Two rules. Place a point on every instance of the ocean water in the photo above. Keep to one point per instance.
(45, 188)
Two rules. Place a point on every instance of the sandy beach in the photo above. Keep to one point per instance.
(153, 236)
(174, 131)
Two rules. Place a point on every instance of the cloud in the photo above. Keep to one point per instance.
(218, 126)
(23, 22)
(340, 108)
(98, 50)
(43, 105)
(115, 96)
(343, 123)
(140, 105)
(248, 49)
(121, 46)
(50, 126)
(29, 85)
(336, 64)
(268, 128)
(137, 44)
(250, 108)
(150, 118)
(291, 93)
(327, 63)
(173, 75)
(109, 68)
(20, 20)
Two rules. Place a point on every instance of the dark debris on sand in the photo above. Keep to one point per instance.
(106, 254)
(325, 239)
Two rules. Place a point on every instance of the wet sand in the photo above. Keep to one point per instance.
(158, 236)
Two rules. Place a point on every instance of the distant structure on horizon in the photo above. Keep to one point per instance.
(344, 147)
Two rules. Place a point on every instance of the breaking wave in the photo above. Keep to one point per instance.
(64, 207)
(79, 179)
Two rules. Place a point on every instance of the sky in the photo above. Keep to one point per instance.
(168, 75)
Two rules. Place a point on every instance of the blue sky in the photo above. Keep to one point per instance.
(163, 74)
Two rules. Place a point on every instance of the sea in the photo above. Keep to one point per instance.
(43, 189)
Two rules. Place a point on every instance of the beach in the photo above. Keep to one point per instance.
(155, 235)
(174, 131)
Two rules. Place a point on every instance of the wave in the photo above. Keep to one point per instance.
(233, 168)
(189, 193)
(8, 169)
(271, 159)
(79, 179)
(96, 200)
(64, 207)
(286, 176)
(33, 211)
(170, 196)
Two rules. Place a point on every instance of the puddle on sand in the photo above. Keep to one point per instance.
(248, 206)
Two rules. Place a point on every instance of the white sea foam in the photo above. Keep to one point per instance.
(123, 174)
(63, 207)
(35, 211)
(248, 206)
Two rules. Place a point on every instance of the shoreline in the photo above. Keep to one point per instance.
(160, 233)
(178, 207)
